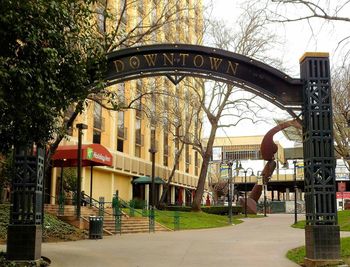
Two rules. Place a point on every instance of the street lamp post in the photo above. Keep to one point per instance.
(81, 127)
(245, 189)
(153, 151)
(229, 163)
(264, 185)
(295, 192)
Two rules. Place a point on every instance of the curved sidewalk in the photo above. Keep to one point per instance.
(256, 242)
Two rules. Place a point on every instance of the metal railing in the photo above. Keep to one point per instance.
(118, 204)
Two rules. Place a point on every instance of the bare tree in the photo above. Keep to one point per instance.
(341, 110)
(316, 14)
(251, 39)
(218, 186)
(325, 11)
(222, 101)
(112, 21)
(178, 113)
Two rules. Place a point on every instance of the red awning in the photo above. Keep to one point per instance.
(92, 155)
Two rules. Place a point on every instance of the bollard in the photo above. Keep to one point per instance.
(176, 221)
(151, 219)
(118, 222)
(144, 210)
(101, 208)
(132, 208)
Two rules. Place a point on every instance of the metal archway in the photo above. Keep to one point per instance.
(311, 93)
(179, 60)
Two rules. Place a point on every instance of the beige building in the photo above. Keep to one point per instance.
(126, 134)
(246, 151)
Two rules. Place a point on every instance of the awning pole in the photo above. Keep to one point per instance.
(61, 194)
(80, 127)
(91, 176)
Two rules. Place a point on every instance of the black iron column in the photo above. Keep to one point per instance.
(61, 195)
(245, 188)
(295, 191)
(91, 180)
(245, 195)
(153, 152)
(230, 191)
(25, 228)
(265, 185)
(321, 231)
(80, 127)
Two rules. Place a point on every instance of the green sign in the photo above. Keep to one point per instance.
(90, 153)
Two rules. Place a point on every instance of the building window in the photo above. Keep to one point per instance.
(166, 151)
(242, 155)
(96, 138)
(122, 14)
(121, 132)
(120, 145)
(138, 151)
(97, 116)
(138, 101)
(97, 123)
(101, 19)
(187, 158)
(121, 93)
(196, 163)
(138, 138)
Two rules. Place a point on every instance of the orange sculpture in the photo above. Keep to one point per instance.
(268, 149)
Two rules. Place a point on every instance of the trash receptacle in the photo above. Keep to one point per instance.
(95, 227)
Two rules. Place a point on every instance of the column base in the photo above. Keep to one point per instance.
(322, 245)
(24, 242)
(319, 263)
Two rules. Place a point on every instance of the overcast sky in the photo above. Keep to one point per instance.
(295, 39)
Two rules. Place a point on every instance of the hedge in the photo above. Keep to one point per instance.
(178, 208)
(221, 210)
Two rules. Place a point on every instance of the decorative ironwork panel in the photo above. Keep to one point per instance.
(319, 160)
(27, 187)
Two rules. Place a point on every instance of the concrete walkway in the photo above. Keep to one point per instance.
(256, 242)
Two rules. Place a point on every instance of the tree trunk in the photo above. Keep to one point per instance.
(167, 185)
(196, 205)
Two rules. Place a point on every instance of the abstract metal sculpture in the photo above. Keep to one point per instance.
(268, 149)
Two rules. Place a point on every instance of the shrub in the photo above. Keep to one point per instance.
(138, 203)
(53, 229)
(178, 208)
(221, 210)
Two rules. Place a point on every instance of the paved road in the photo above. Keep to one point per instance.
(256, 242)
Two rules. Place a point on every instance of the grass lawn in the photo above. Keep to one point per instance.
(193, 220)
(297, 255)
(343, 221)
